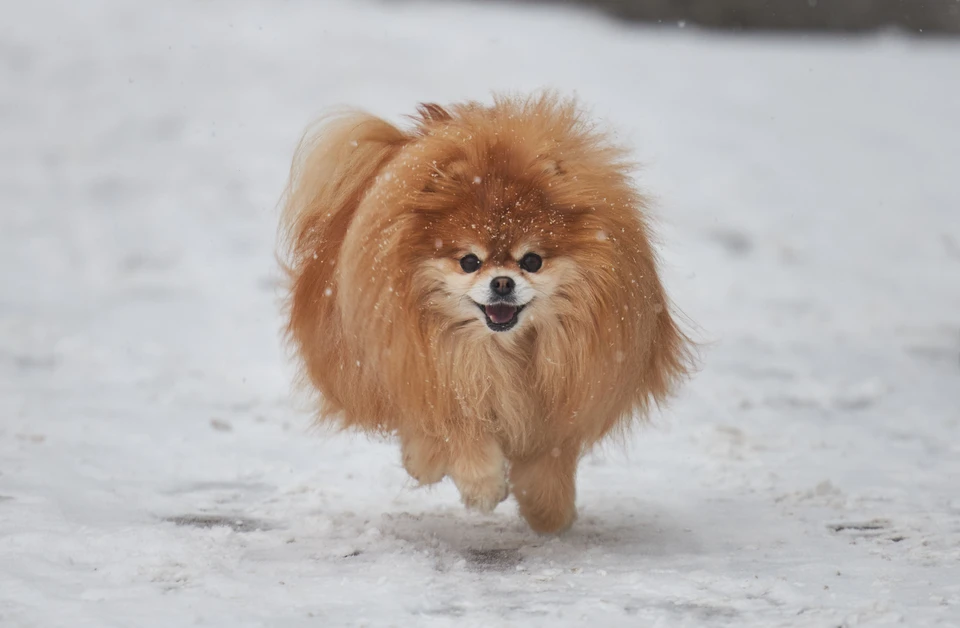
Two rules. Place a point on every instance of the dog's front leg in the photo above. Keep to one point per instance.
(479, 470)
(425, 458)
(545, 488)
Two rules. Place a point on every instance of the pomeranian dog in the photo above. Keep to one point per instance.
(483, 286)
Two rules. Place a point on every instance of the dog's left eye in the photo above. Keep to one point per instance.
(531, 262)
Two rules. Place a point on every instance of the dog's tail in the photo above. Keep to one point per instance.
(332, 168)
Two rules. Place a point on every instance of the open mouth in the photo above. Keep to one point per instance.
(501, 316)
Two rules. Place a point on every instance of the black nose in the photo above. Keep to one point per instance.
(502, 285)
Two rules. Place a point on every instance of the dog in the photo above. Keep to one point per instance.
(483, 286)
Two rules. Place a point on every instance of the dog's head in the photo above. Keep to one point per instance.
(518, 217)
(493, 254)
(505, 223)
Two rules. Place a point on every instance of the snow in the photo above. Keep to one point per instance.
(155, 469)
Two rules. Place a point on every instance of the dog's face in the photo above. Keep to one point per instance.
(495, 256)
(502, 290)
(498, 291)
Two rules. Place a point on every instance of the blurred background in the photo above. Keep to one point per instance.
(919, 16)
(157, 468)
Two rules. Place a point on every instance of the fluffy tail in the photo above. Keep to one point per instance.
(333, 167)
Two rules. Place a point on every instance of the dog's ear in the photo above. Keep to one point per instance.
(444, 173)
(431, 112)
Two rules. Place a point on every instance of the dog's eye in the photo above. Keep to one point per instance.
(531, 262)
(470, 263)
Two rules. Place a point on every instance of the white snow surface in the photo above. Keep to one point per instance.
(156, 468)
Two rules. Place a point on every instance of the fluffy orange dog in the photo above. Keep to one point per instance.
(483, 286)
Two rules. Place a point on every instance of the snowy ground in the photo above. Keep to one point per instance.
(155, 471)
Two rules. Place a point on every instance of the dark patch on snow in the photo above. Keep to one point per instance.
(5, 498)
(35, 362)
(702, 612)
(855, 526)
(204, 487)
(860, 403)
(864, 528)
(737, 244)
(938, 344)
(353, 553)
(237, 524)
(492, 559)
(220, 425)
(932, 353)
(444, 611)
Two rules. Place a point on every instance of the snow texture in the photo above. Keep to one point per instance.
(155, 469)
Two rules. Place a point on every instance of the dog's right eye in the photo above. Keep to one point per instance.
(470, 263)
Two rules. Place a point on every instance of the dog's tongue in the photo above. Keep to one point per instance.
(500, 312)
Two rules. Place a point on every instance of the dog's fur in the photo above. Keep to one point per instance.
(392, 332)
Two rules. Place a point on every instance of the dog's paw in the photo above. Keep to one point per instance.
(423, 461)
(424, 474)
(480, 473)
(483, 495)
(556, 521)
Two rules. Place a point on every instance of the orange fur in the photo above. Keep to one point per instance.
(376, 219)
